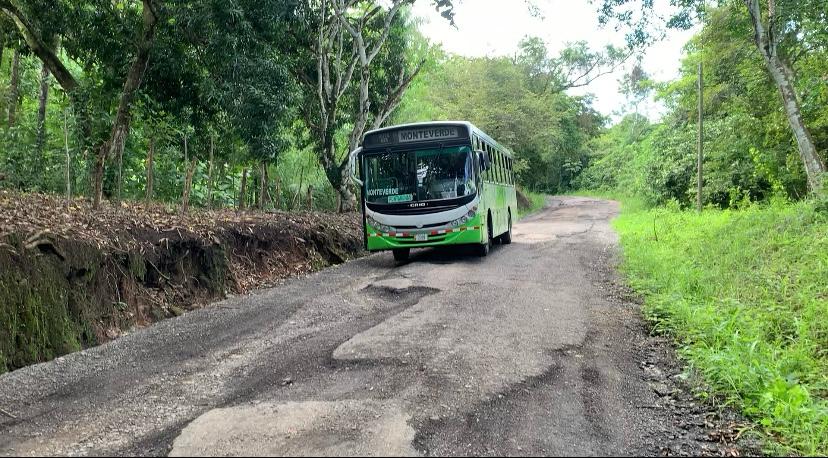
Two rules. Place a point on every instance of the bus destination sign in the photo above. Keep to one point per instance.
(423, 134)
(431, 133)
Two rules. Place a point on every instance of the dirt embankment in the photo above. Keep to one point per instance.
(71, 277)
(523, 202)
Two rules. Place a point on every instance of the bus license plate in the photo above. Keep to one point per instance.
(421, 237)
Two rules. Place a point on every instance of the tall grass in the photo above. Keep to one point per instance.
(536, 201)
(745, 294)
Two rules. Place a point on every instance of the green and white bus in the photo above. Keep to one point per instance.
(434, 184)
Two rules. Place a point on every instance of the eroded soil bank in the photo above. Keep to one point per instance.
(71, 277)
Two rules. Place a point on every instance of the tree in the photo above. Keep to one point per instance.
(777, 31)
(349, 40)
(767, 35)
(14, 88)
(224, 63)
(576, 66)
(114, 146)
(37, 24)
(636, 87)
(41, 110)
(548, 130)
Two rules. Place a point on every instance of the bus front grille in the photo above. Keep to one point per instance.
(431, 239)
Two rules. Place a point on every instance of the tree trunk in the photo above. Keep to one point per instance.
(814, 165)
(188, 185)
(41, 111)
(700, 142)
(299, 190)
(120, 129)
(277, 185)
(120, 175)
(263, 185)
(210, 175)
(243, 190)
(150, 165)
(336, 39)
(783, 77)
(347, 198)
(68, 158)
(14, 88)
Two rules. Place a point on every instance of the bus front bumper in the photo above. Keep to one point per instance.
(378, 241)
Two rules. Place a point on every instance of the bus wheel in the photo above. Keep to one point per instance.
(401, 254)
(483, 250)
(506, 238)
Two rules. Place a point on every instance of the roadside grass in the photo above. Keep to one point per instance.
(745, 295)
(536, 202)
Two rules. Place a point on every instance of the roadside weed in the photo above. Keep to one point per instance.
(745, 294)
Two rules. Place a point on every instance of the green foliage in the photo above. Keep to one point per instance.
(750, 152)
(225, 75)
(744, 293)
(519, 103)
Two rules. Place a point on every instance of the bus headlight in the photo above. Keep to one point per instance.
(378, 226)
(465, 218)
(460, 221)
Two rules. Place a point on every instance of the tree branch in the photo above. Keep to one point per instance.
(573, 83)
(38, 46)
(395, 97)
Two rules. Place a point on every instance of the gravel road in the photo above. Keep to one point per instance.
(533, 350)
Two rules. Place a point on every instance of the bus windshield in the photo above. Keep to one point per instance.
(420, 175)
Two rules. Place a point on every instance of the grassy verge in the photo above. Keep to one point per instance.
(745, 294)
(535, 202)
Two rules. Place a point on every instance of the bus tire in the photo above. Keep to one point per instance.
(401, 254)
(483, 249)
(506, 238)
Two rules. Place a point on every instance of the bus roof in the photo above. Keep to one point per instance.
(471, 127)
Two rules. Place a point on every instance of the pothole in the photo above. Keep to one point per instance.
(399, 291)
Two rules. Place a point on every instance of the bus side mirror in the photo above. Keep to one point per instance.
(352, 164)
(483, 158)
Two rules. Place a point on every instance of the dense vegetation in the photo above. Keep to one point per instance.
(521, 101)
(206, 102)
(750, 153)
(744, 293)
(258, 102)
(740, 285)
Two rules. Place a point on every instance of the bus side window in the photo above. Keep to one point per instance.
(493, 154)
(490, 172)
(495, 167)
(485, 173)
(500, 167)
(509, 170)
(498, 178)
(511, 174)
(512, 170)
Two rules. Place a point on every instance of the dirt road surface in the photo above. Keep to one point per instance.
(534, 349)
